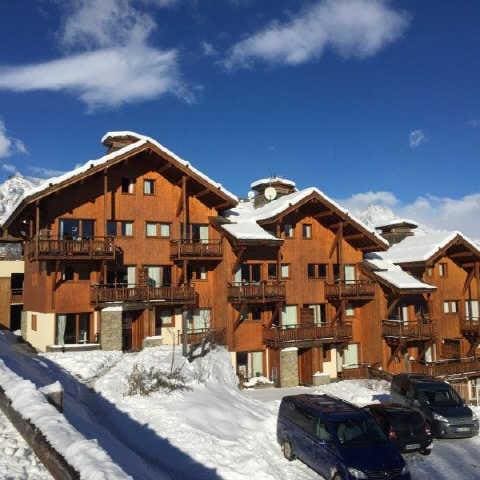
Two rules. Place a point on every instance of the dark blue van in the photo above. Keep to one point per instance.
(337, 439)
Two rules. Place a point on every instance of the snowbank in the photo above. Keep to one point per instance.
(84, 455)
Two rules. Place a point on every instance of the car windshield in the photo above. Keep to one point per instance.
(441, 397)
(358, 430)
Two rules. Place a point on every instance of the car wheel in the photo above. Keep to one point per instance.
(288, 450)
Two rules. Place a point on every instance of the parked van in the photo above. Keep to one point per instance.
(439, 403)
(337, 439)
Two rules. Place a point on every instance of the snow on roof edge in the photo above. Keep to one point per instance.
(262, 181)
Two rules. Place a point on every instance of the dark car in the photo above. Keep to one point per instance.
(337, 439)
(405, 427)
(438, 402)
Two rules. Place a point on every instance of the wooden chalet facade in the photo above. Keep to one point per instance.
(139, 248)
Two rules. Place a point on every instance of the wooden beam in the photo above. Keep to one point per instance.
(184, 207)
(354, 236)
(334, 243)
(166, 167)
(392, 307)
(325, 213)
(460, 254)
(468, 280)
(239, 259)
(202, 193)
(37, 228)
(105, 203)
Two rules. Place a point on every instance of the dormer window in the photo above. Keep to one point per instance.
(149, 187)
(128, 185)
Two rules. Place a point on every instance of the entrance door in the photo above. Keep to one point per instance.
(305, 366)
(133, 331)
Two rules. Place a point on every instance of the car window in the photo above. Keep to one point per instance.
(442, 397)
(322, 432)
(359, 430)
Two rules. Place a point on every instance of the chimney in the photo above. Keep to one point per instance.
(116, 140)
(268, 189)
(397, 230)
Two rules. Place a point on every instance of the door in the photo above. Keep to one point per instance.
(133, 329)
(255, 364)
(349, 273)
(69, 228)
(289, 316)
(305, 366)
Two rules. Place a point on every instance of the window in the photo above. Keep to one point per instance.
(198, 232)
(288, 230)
(348, 273)
(164, 317)
(316, 314)
(248, 273)
(127, 229)
(322, 432)
(199, 319)
(72, 328)
(124, 275)
(72, 228)
(34, 323)
(149, 187)
(317, 271)
(349, 310)
(272, 271)
(307, 230)
(285, 270)
(442, 269)
(289, 316)
(159, 276)
(111, 228)
(196, 272)
(154, 229)
(450, 306)
(128, 185)
(429, 272)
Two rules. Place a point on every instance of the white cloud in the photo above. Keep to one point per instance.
(9, 168)
(351, 28)
(416, 138)
(474, 123)
(110, 62)
(42, 172)
(9, 145)
(442, 213)
(208, 49)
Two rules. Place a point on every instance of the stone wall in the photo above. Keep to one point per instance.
(289, 367)
(111, 329)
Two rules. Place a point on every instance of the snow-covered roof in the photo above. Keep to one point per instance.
(142, 140)
(397, 221)
(269, 180)
(393, 274)
(423, 245)
(245, 218)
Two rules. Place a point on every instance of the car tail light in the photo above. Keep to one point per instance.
(392, 434)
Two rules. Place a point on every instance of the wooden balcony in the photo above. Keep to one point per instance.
(196, 250)
(103, 294)
(470, 326)
(307, 335)
(258, 292)
(447, 368)
(350, 290)
(98, 248)
(203, 336)
(16, 296)
(416, 330)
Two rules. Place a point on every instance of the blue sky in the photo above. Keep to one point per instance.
(354, 96)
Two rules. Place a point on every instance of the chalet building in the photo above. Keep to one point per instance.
(139, 248)
(11, 283)
(430, 319)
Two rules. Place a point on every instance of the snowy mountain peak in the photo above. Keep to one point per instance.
(375, 215)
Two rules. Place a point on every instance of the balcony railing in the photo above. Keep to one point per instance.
(177, 295)
(306, 334)
(416, 330)
(258, 292)
(192, 249)
(350, 290)
(470, 326)
(16, 295)
(101, 248)
(444, 368)
(203, 335)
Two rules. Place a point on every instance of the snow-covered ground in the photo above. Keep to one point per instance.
(17, 460)
(232, 432)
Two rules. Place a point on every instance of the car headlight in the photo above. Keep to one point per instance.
(356, 473)
(440, 418)
(474, 417)
(404, 470)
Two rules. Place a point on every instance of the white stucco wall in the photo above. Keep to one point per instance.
(45, 333)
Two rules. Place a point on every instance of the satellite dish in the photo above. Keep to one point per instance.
(251, 195)
(270, 193)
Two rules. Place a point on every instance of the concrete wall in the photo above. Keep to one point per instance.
(111, 328)
(289, 367)
(45, 333)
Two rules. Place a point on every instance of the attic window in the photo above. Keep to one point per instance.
(128, 185)
(442, 269)
(149, 187)
(288, 230)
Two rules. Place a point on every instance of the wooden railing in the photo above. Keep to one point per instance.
(443, 368)
(261, 292)
(416, 330)
(364, 371)
(101, 294)
(180, 249)
(355, 289)
(279, 337)
(16, 295)
(470, 325)
(203, 335)
(102, 248)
